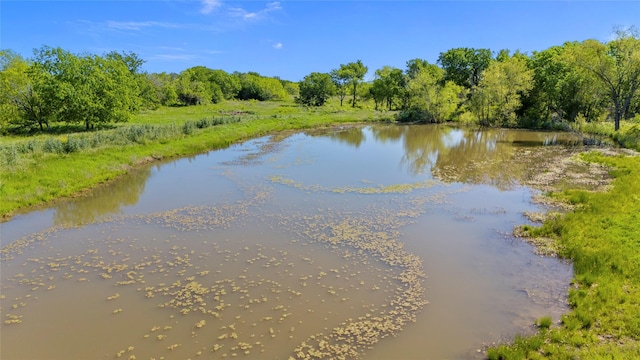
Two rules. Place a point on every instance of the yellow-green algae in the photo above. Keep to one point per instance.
(380, 189)
(246, 308)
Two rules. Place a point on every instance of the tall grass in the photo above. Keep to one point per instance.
(600, 131)
(13, 153)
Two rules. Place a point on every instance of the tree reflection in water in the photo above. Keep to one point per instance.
(103, 200)
(497, 157)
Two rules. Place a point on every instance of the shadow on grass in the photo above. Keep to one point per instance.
(56, 129)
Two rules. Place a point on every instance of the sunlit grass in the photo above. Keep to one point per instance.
(602, 238)
(627, 136)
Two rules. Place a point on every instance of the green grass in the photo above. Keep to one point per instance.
(602, 238)
(544, 322)
(628, 136)
(40, 168)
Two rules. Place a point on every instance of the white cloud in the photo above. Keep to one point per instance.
(138, 25)
(208, 6)
(246, 15)
(273, 6)
(277, 46)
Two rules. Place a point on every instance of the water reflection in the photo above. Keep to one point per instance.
(352, 136)
(489, 156)
(104, 200)
(478, 156)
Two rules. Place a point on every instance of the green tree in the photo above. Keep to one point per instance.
(150, 92)
(258, 87)
(377, 92)
(464, 66)
(158, 89)
(349, 76)
(192, 92)
(388, 86)
(290, 87)
(616, 65)
(430, 97)
(130, 59)
(85, 89)
(147, 97)
(340, 79)
(414, 66)
(315, 89)
(14, 88)
(499, 93)
(229, 84)
(560, 90)
(503, 55)
(165, 86)
(197, 86)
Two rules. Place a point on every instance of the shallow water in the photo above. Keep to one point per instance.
(379, 242)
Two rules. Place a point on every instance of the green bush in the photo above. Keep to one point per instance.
(413, 114)
(52, 145)
(75, 144)
(188, 128)
(629, 138)
(10, 155)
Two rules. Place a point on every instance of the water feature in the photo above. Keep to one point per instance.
(378, 241)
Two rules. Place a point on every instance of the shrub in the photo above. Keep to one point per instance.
(203, 123)
(75, 144)
(52, 145)
(467, 118)
(629, 138)
(413, 114)
(10, 155)
(135, 134)
(188, 128)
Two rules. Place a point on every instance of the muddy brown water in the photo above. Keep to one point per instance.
(376, 242)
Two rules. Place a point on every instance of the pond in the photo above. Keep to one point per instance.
(369, 242)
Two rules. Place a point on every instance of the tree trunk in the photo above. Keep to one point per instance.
(355, 87)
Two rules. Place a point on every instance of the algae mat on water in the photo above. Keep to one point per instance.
(214, 282)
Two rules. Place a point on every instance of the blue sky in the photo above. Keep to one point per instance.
(291, 39)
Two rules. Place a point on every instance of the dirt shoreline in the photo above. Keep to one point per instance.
(564, 171)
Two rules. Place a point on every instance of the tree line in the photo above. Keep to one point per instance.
(57, 86)
(575, 82)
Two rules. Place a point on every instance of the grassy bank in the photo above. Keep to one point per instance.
(628, 136)
(602, 238)
(37, 169)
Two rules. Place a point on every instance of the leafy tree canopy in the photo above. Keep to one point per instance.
(315, 89)
(464, 66)
(615, 65)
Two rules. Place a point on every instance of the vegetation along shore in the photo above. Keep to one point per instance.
(70, 122)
